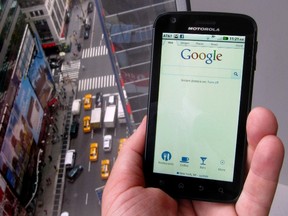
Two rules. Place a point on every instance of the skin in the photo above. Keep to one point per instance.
(125, 192)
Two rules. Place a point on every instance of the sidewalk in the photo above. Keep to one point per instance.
(51, 187)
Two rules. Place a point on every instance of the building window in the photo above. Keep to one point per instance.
(58, 15)
(30, 3)
(55, 21)
(9, 19)
(36, 13)
(129, 27)
(61, 6)
(43, 30)
(3, 4)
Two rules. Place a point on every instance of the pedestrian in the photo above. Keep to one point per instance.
(50, 158)
(45, 212)
(41, 190)
(48, 181)
(43, 164)
(55, 167)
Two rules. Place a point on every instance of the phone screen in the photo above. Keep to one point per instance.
(198, 105)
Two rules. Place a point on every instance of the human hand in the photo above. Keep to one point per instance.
(125, 192)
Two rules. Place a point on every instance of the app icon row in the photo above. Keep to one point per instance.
(167, 156)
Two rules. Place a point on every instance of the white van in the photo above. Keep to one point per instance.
(76, 107)
(120, 112)
(70, 158)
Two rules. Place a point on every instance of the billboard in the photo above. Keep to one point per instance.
(28, 105)
(22, 131)
(40, 76)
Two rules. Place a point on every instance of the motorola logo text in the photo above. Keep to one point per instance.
(203, 29)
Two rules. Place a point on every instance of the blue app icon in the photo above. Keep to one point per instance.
(184, 159)
(166, 156)
(203, 159)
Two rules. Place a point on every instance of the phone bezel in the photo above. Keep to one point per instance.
(229, 24)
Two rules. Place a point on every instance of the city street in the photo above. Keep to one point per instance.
(91, 72)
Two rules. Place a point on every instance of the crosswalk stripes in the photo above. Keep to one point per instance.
(96, 83)
(70, 70)
(94, 51)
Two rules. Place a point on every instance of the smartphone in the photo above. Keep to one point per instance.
(200, 93)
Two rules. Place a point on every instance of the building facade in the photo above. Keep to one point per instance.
(49, 18)
(11, 21)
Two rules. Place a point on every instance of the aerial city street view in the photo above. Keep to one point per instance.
(68, 102)
(74, 83)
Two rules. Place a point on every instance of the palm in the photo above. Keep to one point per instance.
(125, 192)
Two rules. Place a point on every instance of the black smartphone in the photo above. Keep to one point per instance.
(200, 93)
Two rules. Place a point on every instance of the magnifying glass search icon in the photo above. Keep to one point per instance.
(235, 75)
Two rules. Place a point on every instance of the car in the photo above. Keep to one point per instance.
(90, 7)
(107, 144)
(86, 124)
(55, 63)
(74, 173)
(64, 214)
(99, 100)
(79, 47)
(93, 152)
(121, 142)
(105, 169)
(87, 102)
(74, 129)
(86, 34)
(87, 24)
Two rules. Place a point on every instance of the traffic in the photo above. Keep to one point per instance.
(96, 117)
(98, 128)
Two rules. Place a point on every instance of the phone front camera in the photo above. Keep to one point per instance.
(173, 20)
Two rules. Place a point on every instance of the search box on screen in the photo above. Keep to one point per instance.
(201, 72)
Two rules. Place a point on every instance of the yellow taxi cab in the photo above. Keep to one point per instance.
(93, 151)
(121, 142)
(105, 169)
(86, 124)
(87, 102)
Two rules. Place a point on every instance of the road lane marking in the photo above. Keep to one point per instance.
(86, 200)
(89, 166)
(96, 83)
